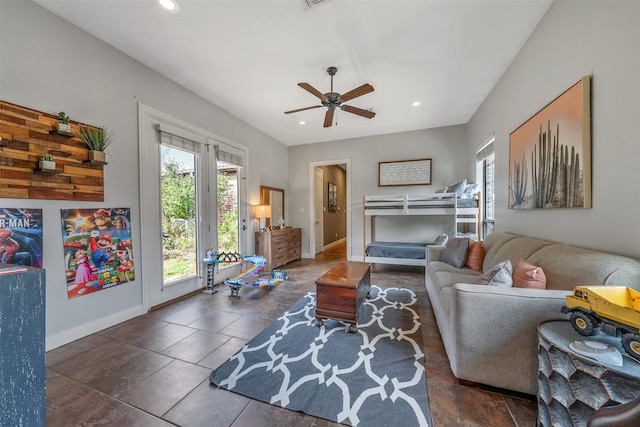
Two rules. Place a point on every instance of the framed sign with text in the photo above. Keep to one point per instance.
(404, 172)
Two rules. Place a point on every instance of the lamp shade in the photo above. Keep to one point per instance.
(262, 211)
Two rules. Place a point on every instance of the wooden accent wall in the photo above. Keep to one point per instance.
(26, 135)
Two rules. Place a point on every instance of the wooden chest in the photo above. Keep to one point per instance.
(279, 247)
(341, 291)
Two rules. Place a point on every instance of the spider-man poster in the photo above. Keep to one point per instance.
(98, 252)
(21, 236)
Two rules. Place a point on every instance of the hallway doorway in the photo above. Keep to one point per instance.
(330, 206)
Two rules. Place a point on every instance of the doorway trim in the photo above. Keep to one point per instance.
(312, 166)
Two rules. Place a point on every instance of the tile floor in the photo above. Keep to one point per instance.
(153, 370)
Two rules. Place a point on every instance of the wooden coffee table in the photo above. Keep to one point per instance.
(341, 291)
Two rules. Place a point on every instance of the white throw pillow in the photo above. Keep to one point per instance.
(499, 275)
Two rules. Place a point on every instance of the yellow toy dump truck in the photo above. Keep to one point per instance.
(613, 309)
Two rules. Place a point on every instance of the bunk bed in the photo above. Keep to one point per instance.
(463, 212)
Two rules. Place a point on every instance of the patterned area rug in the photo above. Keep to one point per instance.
(374, 377)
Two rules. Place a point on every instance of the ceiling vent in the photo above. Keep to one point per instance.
(308, 4)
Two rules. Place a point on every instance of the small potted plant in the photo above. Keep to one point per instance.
(97, 140)
(63, 123)
(47, 163)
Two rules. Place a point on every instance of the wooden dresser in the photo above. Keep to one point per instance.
(279, 246)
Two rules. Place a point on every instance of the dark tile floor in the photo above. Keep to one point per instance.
(153, 370)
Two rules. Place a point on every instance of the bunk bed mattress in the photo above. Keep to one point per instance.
(397, 250)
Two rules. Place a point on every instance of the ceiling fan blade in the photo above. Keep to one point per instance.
(302, 109)
(359, 111)
(359, 91)
(312, 90)
(328, 118)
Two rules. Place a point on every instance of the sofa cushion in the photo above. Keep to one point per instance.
(568, 266)
(475, 255)
(502, 246)
(527, 275)
(455, 253)
(443, 266)
(499, 275)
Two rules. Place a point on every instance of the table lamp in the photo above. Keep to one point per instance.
(262, 212)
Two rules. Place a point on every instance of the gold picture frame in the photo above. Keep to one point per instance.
(550, 154)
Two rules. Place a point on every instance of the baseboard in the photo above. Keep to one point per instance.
(335, 243)
(88, 328)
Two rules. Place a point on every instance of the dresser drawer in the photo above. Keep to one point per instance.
(279, 246)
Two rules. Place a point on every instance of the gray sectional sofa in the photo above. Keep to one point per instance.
(490, 332)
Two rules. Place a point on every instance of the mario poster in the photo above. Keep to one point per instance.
(98, 251)
(21, 236)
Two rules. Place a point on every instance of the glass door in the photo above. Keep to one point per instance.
(180, 225)
(230, 201)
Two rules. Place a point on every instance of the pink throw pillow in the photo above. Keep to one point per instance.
(527, 275)
(475, 255)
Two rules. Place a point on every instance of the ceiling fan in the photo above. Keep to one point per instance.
(333, 100)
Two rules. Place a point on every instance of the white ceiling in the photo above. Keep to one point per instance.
(248, 56)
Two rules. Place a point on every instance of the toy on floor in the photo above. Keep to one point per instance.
(240, 280)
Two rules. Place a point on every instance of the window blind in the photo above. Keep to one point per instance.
(176, 141)
(229, 158)
(485, 150)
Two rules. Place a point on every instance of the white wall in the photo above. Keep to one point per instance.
(446, 147)
(576, 38)
(49, 65)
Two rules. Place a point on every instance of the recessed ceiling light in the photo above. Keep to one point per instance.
(302, 122)
(170, 5)
(415, 103)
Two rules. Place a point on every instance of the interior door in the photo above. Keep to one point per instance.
(318, 209)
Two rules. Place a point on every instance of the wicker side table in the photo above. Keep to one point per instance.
(572, 387)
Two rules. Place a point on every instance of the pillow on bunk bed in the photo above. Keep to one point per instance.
(441, 240)
(470, 191)
(441, 190)
(475, 256)
(457, 188)
(455, 253)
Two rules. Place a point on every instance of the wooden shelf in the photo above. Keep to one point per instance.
(47, 171)
(60, 132)
(36, 133)
(94, 163)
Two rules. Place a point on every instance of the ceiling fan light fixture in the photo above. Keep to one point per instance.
(170, 5)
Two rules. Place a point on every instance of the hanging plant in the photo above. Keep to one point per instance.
(63, 123)
(47, 162)
(97, 140)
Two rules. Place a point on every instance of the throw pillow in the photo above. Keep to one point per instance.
(440, 191)
(470, 191)
(455, 253)
(458, 187)
(441, 240)
(475, 255)
(527, 275)
(499, 275)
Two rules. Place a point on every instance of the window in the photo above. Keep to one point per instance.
(485, 174)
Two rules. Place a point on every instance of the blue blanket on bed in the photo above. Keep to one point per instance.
(397, 250)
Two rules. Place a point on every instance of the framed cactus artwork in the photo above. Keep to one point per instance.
(550, 154)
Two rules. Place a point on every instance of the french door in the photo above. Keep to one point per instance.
(192, 200)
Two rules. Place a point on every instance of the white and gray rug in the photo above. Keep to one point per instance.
(374, 377)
